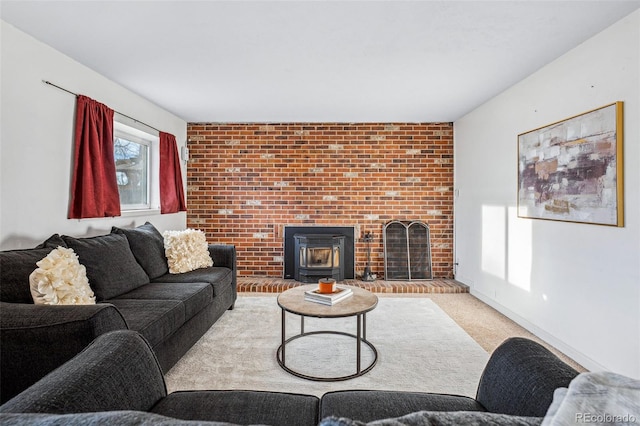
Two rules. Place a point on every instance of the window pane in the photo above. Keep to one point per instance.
(132, 162)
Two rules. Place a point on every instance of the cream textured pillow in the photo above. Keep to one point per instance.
(186, 250)
(60, 279)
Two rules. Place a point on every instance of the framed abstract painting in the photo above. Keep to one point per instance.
(572, 170)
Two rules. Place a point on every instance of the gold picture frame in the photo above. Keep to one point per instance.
(572, 170)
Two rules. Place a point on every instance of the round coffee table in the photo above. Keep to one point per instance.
(358, 305)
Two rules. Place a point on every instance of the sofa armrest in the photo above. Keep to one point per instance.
(36, 339)
(223, 255)
(117, 371)
(520, 378)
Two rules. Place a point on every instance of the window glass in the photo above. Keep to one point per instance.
(132, 171)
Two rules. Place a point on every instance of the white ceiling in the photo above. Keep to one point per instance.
(318, 61)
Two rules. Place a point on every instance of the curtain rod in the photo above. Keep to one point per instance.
(75, 94)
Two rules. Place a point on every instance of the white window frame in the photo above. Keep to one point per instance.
(132, 131)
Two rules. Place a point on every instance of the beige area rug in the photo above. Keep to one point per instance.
(419, 349)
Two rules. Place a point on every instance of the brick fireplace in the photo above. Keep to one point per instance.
(246, 183)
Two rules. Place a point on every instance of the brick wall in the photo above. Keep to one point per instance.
(246, 181)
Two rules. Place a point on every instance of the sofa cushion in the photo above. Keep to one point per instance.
(194, 296)
(147, 245)
(111, 267)
(243, 407)
(369, 405)
(60, 280)
(216, 276)
(154, 319)
(15, 268)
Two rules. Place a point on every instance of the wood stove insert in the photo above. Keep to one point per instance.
(318, 256)
(290, 252)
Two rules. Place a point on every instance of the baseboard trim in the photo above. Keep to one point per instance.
(568, 350)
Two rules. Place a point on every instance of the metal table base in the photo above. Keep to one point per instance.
(360, 337)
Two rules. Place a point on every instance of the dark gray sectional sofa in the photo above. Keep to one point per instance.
(129, 275)
(117, 380)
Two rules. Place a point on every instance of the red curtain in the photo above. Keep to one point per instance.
(94, 188)
(171, 190)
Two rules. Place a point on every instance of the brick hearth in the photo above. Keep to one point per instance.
(278, 285)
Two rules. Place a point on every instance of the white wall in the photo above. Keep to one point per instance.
(36, 144)
(575, 285)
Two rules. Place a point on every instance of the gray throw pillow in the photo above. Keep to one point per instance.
(111, 267)
(53, 241)
(147, 245)
(15, 268)
(17, 265)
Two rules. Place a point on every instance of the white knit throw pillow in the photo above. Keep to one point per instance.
(186, 250)
(60, 279)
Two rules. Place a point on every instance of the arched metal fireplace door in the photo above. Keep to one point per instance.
(407, 251)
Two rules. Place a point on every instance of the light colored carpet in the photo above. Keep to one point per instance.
(487, 326)
(419, 349)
